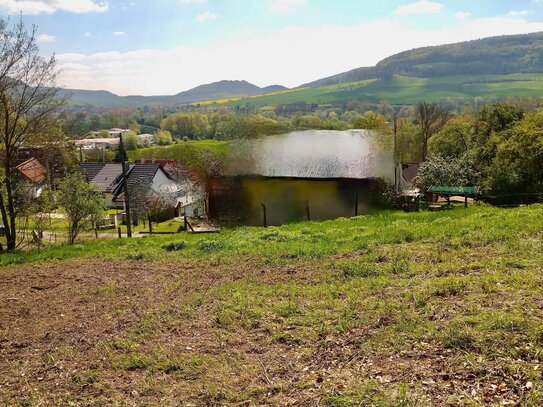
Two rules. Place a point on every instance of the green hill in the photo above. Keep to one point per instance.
(402, 89)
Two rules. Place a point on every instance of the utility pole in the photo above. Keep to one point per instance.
(125, 188)
(396, 164)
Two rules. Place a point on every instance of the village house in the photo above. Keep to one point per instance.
(149, 185)
(193, 203)
(115, 132)
(33, 177)
(98, 143)
(110, 143)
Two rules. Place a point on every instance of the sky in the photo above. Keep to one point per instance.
(162, 47)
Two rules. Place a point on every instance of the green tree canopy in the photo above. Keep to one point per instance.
(518, 165)
(131, 141)
(163, 138)
(490, 125)
(449, 172)
(371, 121)
(454, 140)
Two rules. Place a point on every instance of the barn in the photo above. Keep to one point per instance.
(302, 175)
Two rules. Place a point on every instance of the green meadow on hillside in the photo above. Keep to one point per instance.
(406, 90)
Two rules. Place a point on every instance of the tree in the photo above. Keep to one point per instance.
(431, 120)
(163, 138)
(454, 140)
(28, 104)
(491, 124)
(178, 124)
(518, 164)
(408, 145)
(81, 202)
(450, 172)
(371, 121)
(131, 141)
(103, 134)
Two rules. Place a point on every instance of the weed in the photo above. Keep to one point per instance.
(133, 361)
(136, 256)
(106, 290)
(210, 246)
(359, 269)
(174, 246)
(86, 377)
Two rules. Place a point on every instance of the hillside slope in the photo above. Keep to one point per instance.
(395, 309)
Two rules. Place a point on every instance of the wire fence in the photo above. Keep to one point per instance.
(512, 200)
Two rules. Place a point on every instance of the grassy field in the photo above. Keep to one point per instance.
(393, 309)
(405, 90)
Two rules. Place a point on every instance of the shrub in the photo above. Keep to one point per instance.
(208, 246)
(174, 246)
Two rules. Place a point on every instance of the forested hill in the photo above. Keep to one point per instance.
(509, 54)
(212, 91)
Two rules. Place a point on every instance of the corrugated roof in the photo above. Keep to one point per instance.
(32, 170)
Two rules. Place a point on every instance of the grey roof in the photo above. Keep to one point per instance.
(90, 170)
(108, 177)
(140, 175)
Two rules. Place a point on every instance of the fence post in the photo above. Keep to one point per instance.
(308, 212)
(356, 204)
(264, 215)
(119, 232)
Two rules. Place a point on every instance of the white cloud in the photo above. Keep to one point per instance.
(285, 6)
(46, 38)
(517, 13)
(254, 57)
(420, 7)
(87, 34)
(50, 6)
(206, 16)
(118, 33)
(462, 15)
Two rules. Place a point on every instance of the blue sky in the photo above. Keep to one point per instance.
(166, 46)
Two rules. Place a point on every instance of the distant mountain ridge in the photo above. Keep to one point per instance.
(212, 91)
